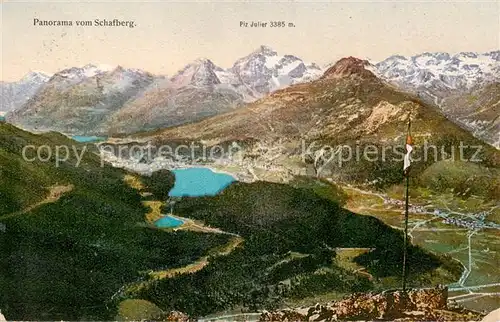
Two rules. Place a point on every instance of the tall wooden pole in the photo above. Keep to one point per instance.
(407, 196)
(405, 240)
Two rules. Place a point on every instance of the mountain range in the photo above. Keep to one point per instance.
(347, 106)
(464, 86)
(114, 100)
(15, 94)
(93, 99)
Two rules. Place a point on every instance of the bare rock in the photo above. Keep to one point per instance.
(177, 317)
(429, 299)
(412, 305)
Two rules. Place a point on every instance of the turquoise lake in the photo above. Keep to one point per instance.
(197, 182)
(2, 118)
(85, 139)
(168, 222)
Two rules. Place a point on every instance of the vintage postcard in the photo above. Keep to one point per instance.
(250, 160)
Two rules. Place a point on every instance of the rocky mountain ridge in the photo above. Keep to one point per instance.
(412, 305)
(461, 85)
(101, 99)
(308, 124)
(79, 100)
(441, 71)
(15, 94)
(347, 67)
(426, 304)
(265, 71)
(464, 86)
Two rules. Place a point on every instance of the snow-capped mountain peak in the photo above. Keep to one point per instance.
(265, 50)
(466, 55)
(89, 70)
(265, 71)
(200, 72)
(448, 81)
(461, 71)
(100, 67)
(35, 76)
(253, 76)
(495, 55)
(15, 94)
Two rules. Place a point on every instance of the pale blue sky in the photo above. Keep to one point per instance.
(170, 34)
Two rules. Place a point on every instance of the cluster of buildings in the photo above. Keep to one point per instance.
(477, 220)
(464, 223)
(401, 204)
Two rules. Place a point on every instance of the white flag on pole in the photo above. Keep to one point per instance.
(409, 148)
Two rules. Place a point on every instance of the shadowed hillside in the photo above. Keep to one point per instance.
(65, 258)
(291, 237)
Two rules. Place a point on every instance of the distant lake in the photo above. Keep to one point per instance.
(197, 182)
(168, 222)
(85, 139)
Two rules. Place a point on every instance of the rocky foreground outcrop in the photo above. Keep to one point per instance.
(413, 305)
(177, 317)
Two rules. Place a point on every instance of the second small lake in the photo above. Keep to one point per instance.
(168, 222)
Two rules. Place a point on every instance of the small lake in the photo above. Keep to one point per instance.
(168, 222)
(197, 182)
(86, 139)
